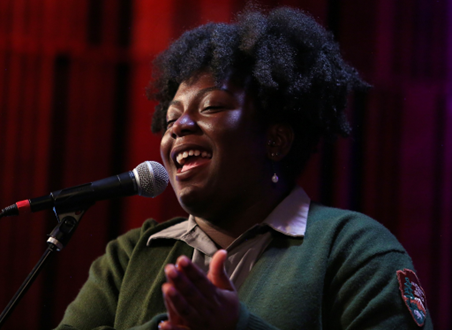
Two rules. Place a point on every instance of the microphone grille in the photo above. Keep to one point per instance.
(152, 178)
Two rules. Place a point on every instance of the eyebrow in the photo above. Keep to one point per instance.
(202, 92)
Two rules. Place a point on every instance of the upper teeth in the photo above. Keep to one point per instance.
(180, 158)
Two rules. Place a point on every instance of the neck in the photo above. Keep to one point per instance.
(224, 228)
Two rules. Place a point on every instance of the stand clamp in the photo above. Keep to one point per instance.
(68, 219)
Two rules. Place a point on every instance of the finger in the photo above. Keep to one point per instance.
(167, 325)
(175, 303)
(172, 315)
(186, 287)
(183, 300)
(196, 276)
(217, 274)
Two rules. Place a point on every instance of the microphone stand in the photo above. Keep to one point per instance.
(68, 219)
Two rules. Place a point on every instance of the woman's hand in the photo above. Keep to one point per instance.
(196, 301)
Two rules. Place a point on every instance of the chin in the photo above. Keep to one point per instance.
(192, 200)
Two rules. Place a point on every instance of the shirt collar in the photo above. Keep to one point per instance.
(291, 215)
(289, 218)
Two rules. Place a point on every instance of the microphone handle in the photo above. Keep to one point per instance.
(115, 186)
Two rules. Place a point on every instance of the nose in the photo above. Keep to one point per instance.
(184, 125)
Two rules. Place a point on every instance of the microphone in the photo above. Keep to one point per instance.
(148, 179)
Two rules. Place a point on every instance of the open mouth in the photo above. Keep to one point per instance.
(188, 159)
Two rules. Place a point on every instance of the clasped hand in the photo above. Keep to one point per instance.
(196, 301)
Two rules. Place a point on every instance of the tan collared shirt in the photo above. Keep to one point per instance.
(288, 218)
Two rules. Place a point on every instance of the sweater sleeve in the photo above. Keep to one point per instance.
(368, 297)
(342, 275)
(362, 287)
(365, 298)
(95, 305)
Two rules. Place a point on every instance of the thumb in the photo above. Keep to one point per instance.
(217, 274)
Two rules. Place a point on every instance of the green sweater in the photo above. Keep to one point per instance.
(341, 275)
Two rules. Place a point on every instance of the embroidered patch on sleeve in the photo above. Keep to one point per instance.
(413, 295)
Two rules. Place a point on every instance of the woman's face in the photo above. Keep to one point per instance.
(214, 148)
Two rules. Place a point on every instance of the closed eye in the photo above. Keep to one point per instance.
(169, 123)
(212, 108)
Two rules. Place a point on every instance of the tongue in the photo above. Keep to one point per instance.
(193, 162)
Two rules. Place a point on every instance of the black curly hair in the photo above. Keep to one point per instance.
(297, 72)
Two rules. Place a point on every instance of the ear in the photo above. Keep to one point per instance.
(279, 141)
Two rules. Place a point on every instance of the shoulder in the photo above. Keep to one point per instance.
(350, 233)
(368, 270)
(330, 216)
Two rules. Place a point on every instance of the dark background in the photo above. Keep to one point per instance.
(73, 110)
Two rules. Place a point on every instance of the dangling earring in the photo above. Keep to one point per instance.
(275, 178)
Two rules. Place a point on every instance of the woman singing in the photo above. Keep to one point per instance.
(241, 109)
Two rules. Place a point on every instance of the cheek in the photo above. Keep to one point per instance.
(165, 147)
(235, 124)
(240, 136)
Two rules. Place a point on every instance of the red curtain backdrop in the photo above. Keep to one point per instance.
(73, 110)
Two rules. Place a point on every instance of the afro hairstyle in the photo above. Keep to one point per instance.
(297, 73)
